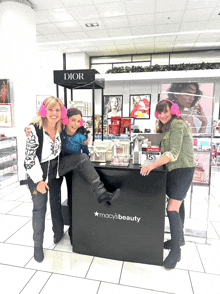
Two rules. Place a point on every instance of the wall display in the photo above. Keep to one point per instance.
(4, 91)
(131, 118)
(201, 174)
(83, 106)
(113, 105)
(88, 123)
(5, 115)
(139, 106)
(195, 101)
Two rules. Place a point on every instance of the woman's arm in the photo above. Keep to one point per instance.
(175, 145)
(146, 169)
(135, 108)
(31, 161)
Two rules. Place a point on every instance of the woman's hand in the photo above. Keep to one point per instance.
(146, 169)
(202, 117)
(41, 187)
(87, 141)
(27, 131)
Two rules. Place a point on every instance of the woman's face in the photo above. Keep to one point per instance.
(165, 116)
(137, 99)
(185, 100)
(73, 124)
(54, 113)
(114, 103)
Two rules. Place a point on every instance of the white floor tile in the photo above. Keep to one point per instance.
(106, 270)
(24, 236)
(190, 259)
(156, 278)
(9, 224)
(214, 213)
(15, 254)
(205, 283)
(63, 271)
(65, 263)
(25, 198)
(24, 209)
(211, 232)
(6, 206)
(63, 284)
(216, 226)
(37, 282)
(15, 194)
(210, 256)
(64, 244)
(107, 288)
(13, 279)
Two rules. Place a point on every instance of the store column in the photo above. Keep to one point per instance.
(17, 64)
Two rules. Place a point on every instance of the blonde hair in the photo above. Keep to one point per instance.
(49, 102)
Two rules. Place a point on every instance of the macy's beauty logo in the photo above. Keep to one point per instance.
(117, 216)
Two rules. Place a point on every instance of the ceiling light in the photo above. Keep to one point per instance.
(92, 25)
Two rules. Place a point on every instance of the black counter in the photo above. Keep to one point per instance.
(132, 228)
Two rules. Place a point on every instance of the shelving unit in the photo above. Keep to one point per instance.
(8, 160)
(128, 83)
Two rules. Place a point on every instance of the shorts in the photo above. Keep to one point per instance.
(178, 182)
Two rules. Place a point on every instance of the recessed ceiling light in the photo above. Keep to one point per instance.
(92, 24)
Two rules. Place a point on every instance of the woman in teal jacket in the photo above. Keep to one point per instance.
(178, 157)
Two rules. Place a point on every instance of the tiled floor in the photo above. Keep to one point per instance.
(63, 271)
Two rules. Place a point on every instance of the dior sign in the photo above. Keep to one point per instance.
(74, 76)
(69, 78)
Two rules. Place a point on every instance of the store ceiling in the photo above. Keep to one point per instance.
(127, 26)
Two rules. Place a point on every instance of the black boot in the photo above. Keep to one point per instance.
(90, 174)
(101, 193)
(82, 163)
(175, 229)
(168, 243)
(56, 239)
(38, 253)
(109, 197)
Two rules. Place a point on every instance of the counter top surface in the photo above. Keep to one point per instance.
(131, 166)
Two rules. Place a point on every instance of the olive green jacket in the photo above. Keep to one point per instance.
(177, 144)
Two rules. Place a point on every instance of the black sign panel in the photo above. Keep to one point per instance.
(132, 228)
(74, 78)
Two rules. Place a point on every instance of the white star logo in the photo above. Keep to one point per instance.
(96, 213)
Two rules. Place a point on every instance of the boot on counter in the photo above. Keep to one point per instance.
(109, 197)
(82, 163)
(175, 229)
(101, 193)
(168, 243)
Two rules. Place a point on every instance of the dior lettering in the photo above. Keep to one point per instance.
(73, 76)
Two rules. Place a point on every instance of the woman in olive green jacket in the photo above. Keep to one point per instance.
(178, 157)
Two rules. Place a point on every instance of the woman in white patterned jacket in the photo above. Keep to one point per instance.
(42, 153)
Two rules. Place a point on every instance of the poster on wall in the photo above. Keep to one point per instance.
(195, 101)
(139, 106)
(201, 173)
(4, 91)
(113, 105)
(5, 116)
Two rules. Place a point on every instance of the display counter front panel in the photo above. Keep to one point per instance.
(131, 228)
